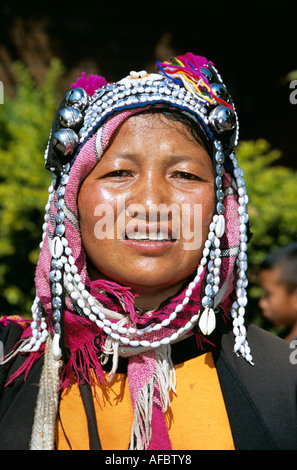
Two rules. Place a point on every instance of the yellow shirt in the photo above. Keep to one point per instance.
(196, 420)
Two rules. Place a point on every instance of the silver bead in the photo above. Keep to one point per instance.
(60, 217)
(60, 191)
(65, 141)
(60, 230)
(207, 301)
(58, 328)
(71, 117)
(55, 276)
(219, 156)
(57, 315)
(207, 74)
(60, 204)
(78, 98)
(56, 303)
(222, 119)
(57, 288)
(57, 263)
(220, 91)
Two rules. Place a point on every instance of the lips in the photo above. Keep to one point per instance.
(154, 232)
(149, 239)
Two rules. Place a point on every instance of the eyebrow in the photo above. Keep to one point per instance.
(172, 158)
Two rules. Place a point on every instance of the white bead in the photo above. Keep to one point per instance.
(200, 270)
(76, 277)
(157, 327)
(124, 340)
(165, 341)
(122, 330)
(92, 317)
(172, 316)
(67, 251)
(74, 269)
(67, 268)
(165, 322)
(107, 330)
(134, 343)
(179, 308)
(188, 325)
(80, 303)
(115, 336)
(80, 286)
(70, 287)
(185, 301)
(194, 318)
(99, 323)
(155, 344)
(174, 336)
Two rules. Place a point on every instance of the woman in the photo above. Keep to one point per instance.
(141, 284)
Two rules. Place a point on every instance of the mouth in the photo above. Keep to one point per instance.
(149, 233)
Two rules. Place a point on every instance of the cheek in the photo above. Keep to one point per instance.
(95, 205)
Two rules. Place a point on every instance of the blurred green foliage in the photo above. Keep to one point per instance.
(25, 121)
(272, 207)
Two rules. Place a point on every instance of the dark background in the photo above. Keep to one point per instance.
(253, 45)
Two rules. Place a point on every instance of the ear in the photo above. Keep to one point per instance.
(294, 299)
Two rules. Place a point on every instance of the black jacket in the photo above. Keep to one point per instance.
(260, 399)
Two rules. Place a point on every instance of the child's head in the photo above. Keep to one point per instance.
(278, 278)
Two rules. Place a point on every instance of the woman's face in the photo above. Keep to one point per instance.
(146, 207)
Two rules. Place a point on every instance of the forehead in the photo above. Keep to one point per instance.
(155, 130)
(271, 277)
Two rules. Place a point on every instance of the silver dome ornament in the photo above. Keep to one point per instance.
(71, 117)
(220, 91)
(65, 141)
(222, 119)
(207, 74)
(78, 98)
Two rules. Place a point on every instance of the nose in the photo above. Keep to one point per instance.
(150, 195)
(262, 303)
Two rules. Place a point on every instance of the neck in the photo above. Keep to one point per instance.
(148, 297)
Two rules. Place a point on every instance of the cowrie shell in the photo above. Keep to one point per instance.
(57, 248)
(57, 353)
(220, 226)
(207, 321)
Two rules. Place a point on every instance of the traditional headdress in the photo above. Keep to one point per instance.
(83, 319)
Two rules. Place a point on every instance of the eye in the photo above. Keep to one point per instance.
(185, 175)
(117, 174)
